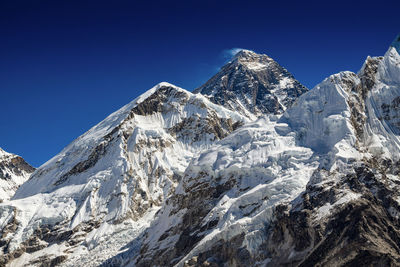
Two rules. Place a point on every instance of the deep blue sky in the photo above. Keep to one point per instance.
(66, 65)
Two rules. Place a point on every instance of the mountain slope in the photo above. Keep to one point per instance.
(225, 201)
(111, 180)
(14, 171)
(172, 179)
(253, 84)
(351, 217)
(322, 192)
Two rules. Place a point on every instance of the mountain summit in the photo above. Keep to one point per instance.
(14, 171)
(254, 85)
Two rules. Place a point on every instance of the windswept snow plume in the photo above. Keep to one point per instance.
(229, 53)
(396, 43)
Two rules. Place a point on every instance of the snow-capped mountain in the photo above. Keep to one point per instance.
(253, 84)
(350, 211)
(111, 179)
(317, 187)
(14, 171)
(258, 171)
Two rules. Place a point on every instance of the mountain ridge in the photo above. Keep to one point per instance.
(113, 176)
(181, 179)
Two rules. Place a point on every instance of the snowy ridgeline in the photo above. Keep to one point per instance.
(120, 171)
(14, 171)
(172, 178)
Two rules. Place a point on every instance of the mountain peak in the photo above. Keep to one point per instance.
(254, 85)
(164, 84)
(249, 56)
(244, 53)
(14, 171)
(154, 89)
(5, 154)
(251, 61)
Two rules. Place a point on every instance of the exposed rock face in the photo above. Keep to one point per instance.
(14, 171)
(352, 220)
(348, 212)
(351, 217)
(112, 178)
(222, 208)
(253, 84)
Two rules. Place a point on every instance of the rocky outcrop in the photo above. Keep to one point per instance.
(13, 172)
(253, 84)
(360, 230)
(223, 206)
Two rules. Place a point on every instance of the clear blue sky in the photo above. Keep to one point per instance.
(66, 65)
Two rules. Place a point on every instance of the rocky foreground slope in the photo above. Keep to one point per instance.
(173, 179)
(14, 171)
